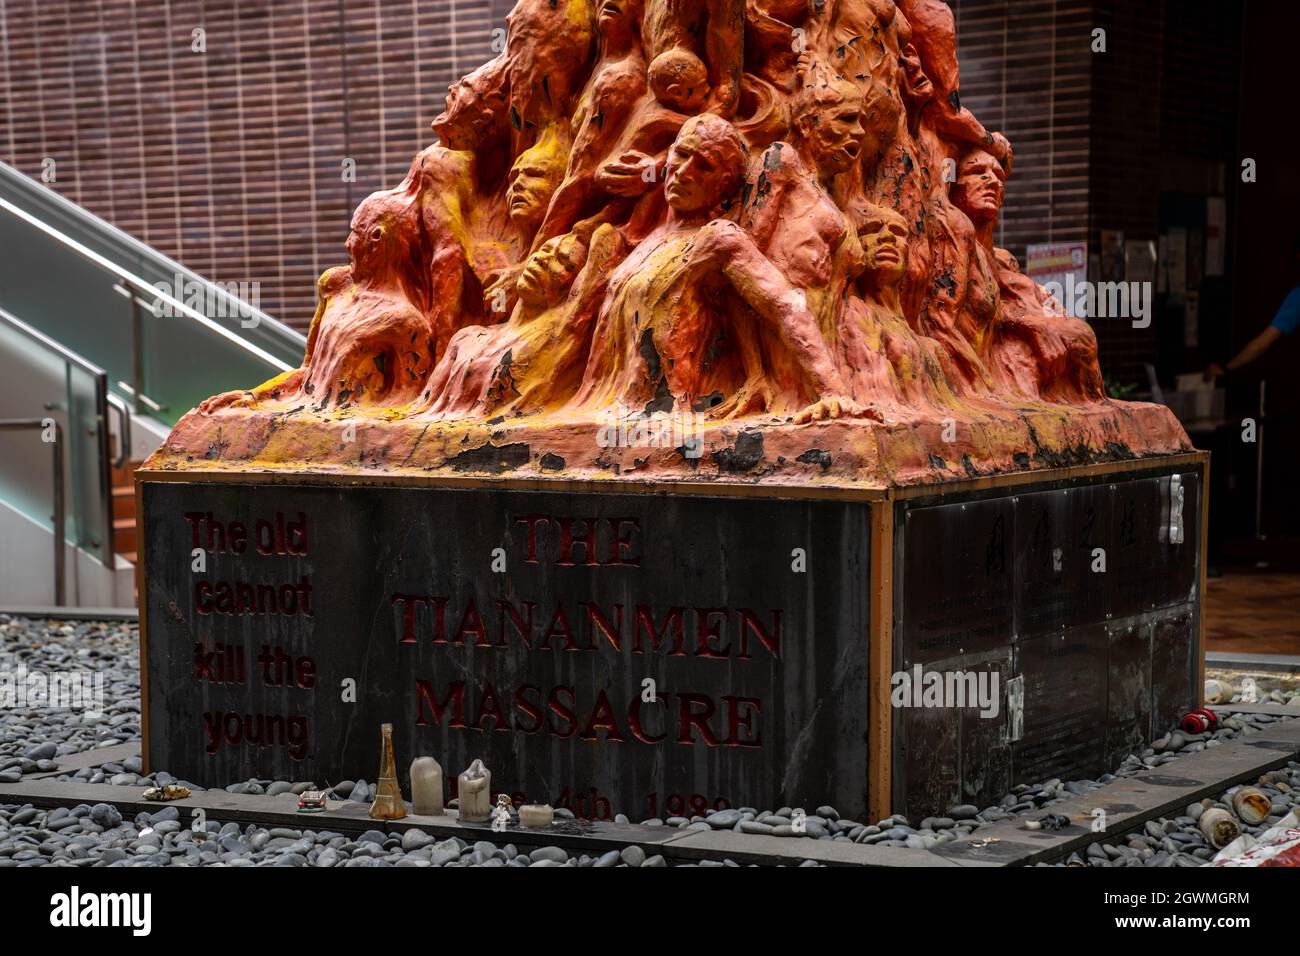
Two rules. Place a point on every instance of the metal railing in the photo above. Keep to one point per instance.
(106, 295)
(42, 373)
(40, 425)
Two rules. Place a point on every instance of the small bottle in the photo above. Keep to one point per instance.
(426, 787)
(475, 793)
(389, 804)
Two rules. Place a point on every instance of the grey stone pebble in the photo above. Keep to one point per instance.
(724, 819)
(553, 853)
(633, 855)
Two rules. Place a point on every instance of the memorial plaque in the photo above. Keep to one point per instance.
(1148, 569)
(1057, 533)
(958, 582)
(1128, 691)
(1065, 705)
(607, 653)
(1174, 659)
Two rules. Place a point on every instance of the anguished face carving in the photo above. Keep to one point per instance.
(551, 270)
(979, 189)
(830, 124)
(704, 165)
(884, 245)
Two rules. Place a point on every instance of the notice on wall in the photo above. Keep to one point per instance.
(1065, 263)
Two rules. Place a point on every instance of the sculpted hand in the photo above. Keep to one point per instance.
(500, 296)
(829, 409)
(632, 174)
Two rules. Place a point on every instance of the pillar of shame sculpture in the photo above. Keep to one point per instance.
(768, 219)
(688, 298)
(757, 221)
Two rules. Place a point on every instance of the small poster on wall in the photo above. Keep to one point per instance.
(1063, 263)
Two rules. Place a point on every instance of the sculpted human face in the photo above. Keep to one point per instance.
(695, 180)
(550, 270)
(533, 179)
(454, 126)
(836, 133)
(365, 243)
(916, 83)
(618, 17)
(979, 189)
(884, 244)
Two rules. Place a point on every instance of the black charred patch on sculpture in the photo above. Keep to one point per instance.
(745, 455)
(491, 458)
(704, 402)
(937, 462)
(552, 462)
(816, 456)
(968, 467)
(663, 400)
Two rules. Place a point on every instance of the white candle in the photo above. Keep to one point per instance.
(475, 793)
(426, 787)
(536, 815)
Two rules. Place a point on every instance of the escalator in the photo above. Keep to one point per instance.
(104, 344)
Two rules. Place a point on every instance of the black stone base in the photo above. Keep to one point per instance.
(662, 654)
(1081, 597)
(608, 653)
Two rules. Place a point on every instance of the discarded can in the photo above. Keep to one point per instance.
(1219, 827)
(170, 792)
(1252, 805)
(312, 801)
(1218, 691)
(1199, 721)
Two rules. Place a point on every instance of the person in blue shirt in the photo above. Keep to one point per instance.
(1284, 323)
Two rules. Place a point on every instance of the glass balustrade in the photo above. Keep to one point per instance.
(42, 381)
(166, 337)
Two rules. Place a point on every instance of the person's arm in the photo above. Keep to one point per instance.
(1257, 347)
(1285, 323)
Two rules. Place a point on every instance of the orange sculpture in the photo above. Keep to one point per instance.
(768, 218)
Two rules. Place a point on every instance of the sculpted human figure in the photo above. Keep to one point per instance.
(677, 91)
(714, 30)
(1036, 353)
(371, 343)
(657, 345)
(532, 182)
(885, 359)
(933, 33)
(793, 222)
(534, 361)
(1046, 353)
(547, 58)
(960, 300)
(618, 83)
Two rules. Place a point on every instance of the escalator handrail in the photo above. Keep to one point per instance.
(40, 197)
(145, 288)
(102, 464)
